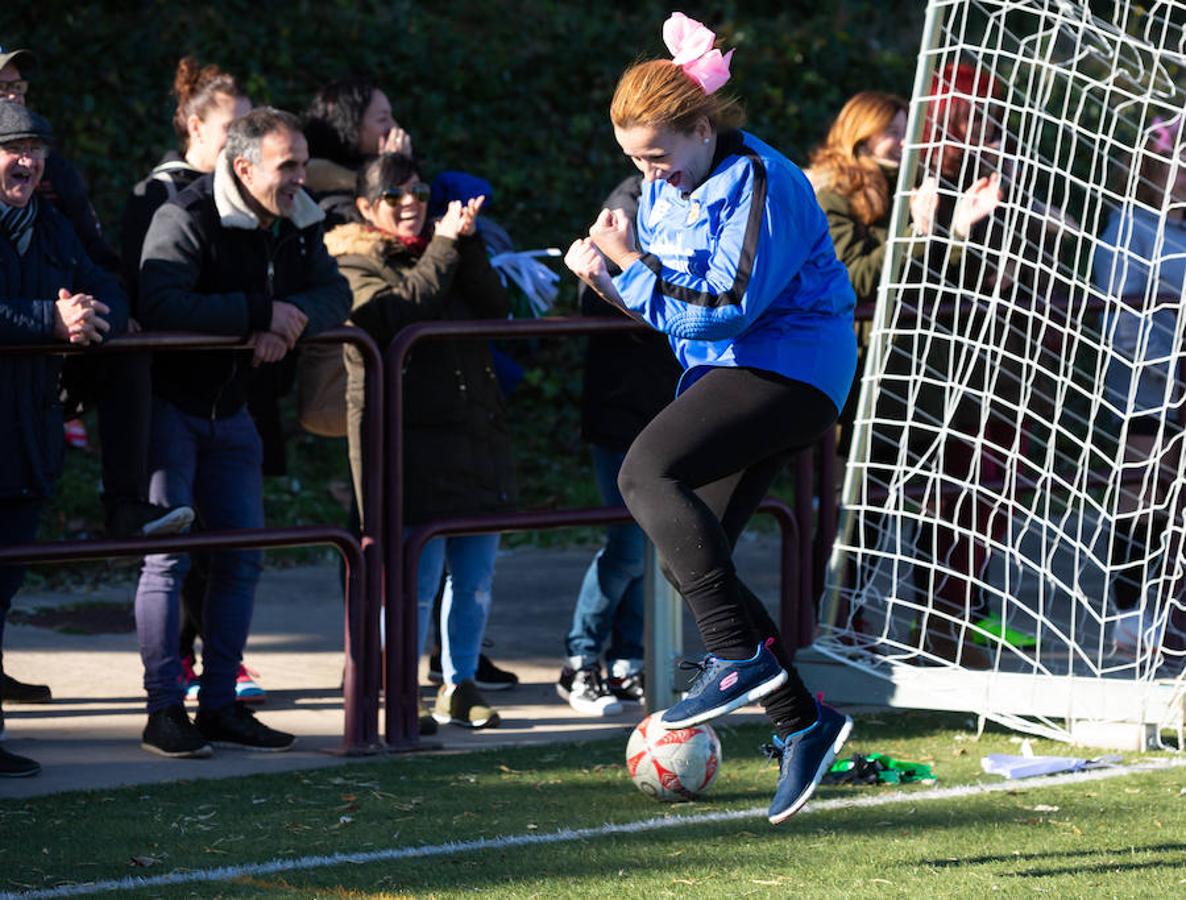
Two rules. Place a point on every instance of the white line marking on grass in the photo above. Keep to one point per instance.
(229, 873)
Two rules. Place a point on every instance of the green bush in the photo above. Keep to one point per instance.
(515, 91)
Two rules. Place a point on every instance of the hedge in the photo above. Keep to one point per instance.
(515, 91)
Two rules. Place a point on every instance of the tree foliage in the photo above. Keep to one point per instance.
(515, 91)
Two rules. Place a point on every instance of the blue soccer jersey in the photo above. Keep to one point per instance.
(742, 272)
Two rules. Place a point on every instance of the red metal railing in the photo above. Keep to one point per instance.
(364, 561)
(360, 732)
(401, 656)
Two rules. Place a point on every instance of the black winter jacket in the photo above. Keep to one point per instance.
(457, 445)
(30, 411)
(219, 273)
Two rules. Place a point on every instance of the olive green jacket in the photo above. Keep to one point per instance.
(456, 443)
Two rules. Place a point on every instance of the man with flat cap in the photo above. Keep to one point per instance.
(49, 290)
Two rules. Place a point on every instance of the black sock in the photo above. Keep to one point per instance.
(791, 708)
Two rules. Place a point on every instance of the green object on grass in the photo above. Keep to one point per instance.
(997, 628)
(877, 768)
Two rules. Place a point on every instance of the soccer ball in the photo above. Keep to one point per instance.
(672, 765)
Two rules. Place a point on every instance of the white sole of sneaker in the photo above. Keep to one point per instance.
(829, 758)
(607, 707)
(231, 745)
(493, 722)
(204, 752)
(172, 523)
(754, 693)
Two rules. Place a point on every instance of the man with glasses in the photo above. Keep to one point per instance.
(239, 252)
(49, 289)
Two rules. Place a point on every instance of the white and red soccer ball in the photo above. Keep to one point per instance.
(672, 765)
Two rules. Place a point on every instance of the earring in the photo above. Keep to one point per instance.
(706, 140)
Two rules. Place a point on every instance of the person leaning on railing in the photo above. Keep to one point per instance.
(116, 386)
(457, 452)
(49, 288)
(208, 100)
(238, 252)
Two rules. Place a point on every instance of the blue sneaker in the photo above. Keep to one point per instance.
(723, 685)
(805, 758)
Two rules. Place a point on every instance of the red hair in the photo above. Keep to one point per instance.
(954, 92)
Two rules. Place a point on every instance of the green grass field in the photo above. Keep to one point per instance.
(1116, 837)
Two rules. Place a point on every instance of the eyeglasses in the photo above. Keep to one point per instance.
(13, 88)
(27, 149)
(395, 196)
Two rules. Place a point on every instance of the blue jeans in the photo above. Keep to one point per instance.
(611, 605)
(213, 466)
(466, 602)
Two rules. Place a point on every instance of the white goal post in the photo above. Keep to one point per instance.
(1012, 539)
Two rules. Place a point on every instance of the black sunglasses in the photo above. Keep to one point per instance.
(395, 196)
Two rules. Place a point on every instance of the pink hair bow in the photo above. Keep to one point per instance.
(691, 49)
(1164, 132)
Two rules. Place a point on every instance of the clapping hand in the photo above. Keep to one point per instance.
(470, 214)
(396, 141)
(460, 219)
(78, 318)
(977, 202)
(924, 200)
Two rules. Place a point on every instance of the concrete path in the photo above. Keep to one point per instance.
(89, 736)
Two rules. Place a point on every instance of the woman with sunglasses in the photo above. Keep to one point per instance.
(729, 256)
(402, 269)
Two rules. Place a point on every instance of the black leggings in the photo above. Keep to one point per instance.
(692, 480)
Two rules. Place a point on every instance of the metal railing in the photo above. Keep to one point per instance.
(402, 548)
(364, 561)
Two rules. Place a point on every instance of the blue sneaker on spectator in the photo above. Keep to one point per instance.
(804, 758)
(725, 684)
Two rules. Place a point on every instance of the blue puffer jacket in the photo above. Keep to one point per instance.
(30, 413)
(742, 272)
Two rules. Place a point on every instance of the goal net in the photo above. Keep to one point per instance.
(1013, 522)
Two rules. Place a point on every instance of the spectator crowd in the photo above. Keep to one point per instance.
(271, 227)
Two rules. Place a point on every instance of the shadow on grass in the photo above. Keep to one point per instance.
(1090, 865)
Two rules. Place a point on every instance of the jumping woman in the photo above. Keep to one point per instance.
(731, 258)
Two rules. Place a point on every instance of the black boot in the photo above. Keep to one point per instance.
(12, 765)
